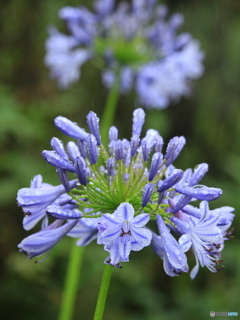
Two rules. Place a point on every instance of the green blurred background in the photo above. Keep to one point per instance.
(210, 121)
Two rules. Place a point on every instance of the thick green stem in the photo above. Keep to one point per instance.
(102, 296)
(71, 283)
(109, 112)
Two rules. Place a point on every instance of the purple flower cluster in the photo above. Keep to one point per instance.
(115, 193)
(134, 45)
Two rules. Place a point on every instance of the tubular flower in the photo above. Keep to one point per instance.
(135, 45)
(118, 189)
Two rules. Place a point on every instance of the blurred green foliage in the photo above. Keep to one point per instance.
(210, 120)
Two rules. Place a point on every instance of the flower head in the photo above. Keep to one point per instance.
(135, 45)
(118, 189)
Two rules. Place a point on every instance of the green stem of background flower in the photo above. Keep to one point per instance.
(109, 112)
(102, 296)
(71, 283)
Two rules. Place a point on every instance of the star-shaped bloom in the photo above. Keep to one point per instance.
(201, 235)
(121, 232)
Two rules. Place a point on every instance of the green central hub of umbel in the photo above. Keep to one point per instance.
(133, 52)
(104, 193)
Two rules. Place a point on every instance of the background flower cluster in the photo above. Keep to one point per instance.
(137, 45)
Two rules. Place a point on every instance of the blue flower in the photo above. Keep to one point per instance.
(119, 188)
(35, 200)
(44, 240)
(168, 249)
(136, 45)
(63, 58)
(201, 235)
(121, 232)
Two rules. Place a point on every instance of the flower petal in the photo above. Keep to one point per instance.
(110, 235)
(124, 249)
(58, 212)
(141, 235)
(124, 212)
(185, 242)
(141, 220)
(109, 220)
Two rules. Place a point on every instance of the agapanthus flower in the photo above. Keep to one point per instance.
(38, 197)
(121, 232)
(136, 46)
(118, 189)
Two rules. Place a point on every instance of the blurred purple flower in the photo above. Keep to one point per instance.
(136, 44)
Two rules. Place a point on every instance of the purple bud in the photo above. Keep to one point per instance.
(147, 193)
(126, 146)
(58, 147)
(58, 212)
(161, 197)
(127, 159)
(183, 201)
(170, 181)
(203, 193)
(55, 160)
(119, 150)
(81, 170)
(113, 134)
(92, 121)
(151, 137)
(158, 144)
(92, 149)
(156, 162)
(70, 128)
(111, 166)
(73, 150)
(62, 175)
(174, 148)
(145, 150)
(134, 144)
(82, 148)
(186, 177)
(138, 121)
(179, 214)
(198, 174)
